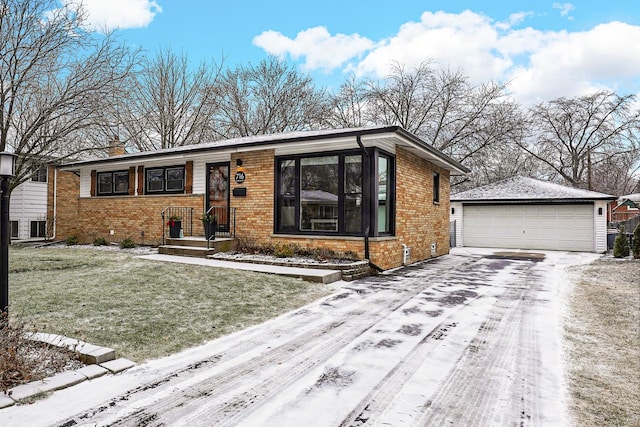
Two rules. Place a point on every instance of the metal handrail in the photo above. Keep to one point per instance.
(185, 213)
(225, 224)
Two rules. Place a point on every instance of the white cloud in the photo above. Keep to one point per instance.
(119, 14)
(321, 49)
(540, 65)
(465, 41)
(568, 64)
(564, 8)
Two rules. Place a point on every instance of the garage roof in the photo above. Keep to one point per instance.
(520, 189)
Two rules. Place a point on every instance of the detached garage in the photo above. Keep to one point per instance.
(525, 213)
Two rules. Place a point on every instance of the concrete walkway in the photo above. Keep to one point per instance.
(309, 274)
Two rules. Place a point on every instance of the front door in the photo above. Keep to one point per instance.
(218, 191)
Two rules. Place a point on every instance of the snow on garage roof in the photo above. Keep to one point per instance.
(520, 188)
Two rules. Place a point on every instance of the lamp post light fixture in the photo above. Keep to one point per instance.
(7, 171)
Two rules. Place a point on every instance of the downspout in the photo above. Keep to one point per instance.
(55, 199)
(367, 227)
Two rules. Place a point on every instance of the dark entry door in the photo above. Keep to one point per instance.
(218, 193)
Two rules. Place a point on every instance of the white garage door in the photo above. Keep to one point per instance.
(552, 227)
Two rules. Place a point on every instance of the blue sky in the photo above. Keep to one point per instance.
(545, 49)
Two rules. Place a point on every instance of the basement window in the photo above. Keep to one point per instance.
(38, 229)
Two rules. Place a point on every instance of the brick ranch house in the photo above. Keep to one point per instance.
(320, 189)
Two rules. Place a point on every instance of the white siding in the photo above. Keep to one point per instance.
(456, 215)
(28, 203)
(600, 225)
(200, 170)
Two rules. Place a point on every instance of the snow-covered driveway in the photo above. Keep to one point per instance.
(461, 340)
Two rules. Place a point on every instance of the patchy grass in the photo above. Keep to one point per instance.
(603, 344)
(143, 309)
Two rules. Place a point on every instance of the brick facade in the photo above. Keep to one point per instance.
(254, 213)
(419, 221)
(67, 185)
(135, 217)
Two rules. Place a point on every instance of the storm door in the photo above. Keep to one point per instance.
(218, 193)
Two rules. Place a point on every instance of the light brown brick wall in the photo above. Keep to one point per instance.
(130, 216)
(254, 212)
(419, 221)
(66, 203)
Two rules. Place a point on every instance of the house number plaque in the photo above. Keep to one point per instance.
(240, 176)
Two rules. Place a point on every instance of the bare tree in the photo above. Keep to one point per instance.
(571, 134)
(169, 105)
(499, 155)
(442, 107)
(55, 79)
(349, 105)
(268, 98)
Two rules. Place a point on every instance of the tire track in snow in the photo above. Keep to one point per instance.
(384, 400)
(225, 396)
(486, 385)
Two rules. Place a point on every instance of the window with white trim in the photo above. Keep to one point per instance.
(39, 174)
(15, 229)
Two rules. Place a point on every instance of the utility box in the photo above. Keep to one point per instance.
(433, 249)
(406, 254)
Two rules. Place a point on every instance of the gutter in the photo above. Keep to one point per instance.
(55, 201)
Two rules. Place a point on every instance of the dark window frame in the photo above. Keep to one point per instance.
(40, 174)
(369, 189)
(165, 181)
(112, 191)
(14, 227)
(390, 200)
(436, 188)
(40, 229)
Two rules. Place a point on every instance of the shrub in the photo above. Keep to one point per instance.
(636, 242)
(283, 250)
(71, 240)
(100, 241)
(621, 244)
(127, 243)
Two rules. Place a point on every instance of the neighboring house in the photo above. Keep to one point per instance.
(28, 207)
(373, 191)
(525, 213)
(625, 208)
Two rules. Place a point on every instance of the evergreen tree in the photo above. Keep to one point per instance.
(636, 242)
(621, 244)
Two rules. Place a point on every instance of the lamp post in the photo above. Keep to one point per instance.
(7, 168)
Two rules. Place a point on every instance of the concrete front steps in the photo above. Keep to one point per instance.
(196, 246)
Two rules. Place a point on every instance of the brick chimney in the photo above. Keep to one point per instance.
(116, 148)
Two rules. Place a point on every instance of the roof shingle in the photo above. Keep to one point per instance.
(520, 188)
